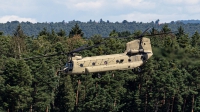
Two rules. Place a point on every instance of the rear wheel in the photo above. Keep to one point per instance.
(98, 75)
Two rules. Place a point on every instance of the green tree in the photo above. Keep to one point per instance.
(113, 33)
(44, 84)
(61, 33)
(180, 31)
(165, 29)
(44, 32)
(6, 46)
(76, 31)
(183, 41)
(19, 44)
(65, 97)
(195, 39)
(124, 34)
(182, 38)
(2, 92)
(1, 33)
(18, 81)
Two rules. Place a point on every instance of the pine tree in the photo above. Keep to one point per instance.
(19, 45)
(65, 97)
(2, 92)
(18, 82)
(113, 33)
(44, 32)
(76, 31)
(61, 33)
(195, 39)
(165, 29)
(44, 84)
(6, 46)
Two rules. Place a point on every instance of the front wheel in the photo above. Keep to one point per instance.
(136, 70)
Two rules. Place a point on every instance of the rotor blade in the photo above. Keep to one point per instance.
(74, 51)
(84, 48)
(113, 37)
(43, 56)
(78, 49)
(161, 33)
(140, 38)
(142, 35)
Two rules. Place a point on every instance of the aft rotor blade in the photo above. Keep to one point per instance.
(161, 33)
(142, 35)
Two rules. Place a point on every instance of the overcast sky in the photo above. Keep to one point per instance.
(112, 10)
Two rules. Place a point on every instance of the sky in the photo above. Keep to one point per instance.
(113, 10)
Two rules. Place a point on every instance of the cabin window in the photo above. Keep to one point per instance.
(129, 60)
(105, 62)
(81, 65)
(117, 61)
(93, 63)
(121, 60)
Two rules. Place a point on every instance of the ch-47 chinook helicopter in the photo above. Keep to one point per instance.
(137, 53)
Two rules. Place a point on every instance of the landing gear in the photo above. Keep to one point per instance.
(139, 69)
(98, 75)
(136, 70)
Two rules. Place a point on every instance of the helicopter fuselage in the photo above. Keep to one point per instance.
(133, 57)
(106, 63)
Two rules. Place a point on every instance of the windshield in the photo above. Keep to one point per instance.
(69, 65)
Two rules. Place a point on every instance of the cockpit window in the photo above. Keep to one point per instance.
(69, 65)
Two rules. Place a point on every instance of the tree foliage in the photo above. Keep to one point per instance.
(169, 81)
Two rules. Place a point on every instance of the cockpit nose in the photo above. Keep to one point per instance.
(68, 66)
(149, 55)
(65, 69)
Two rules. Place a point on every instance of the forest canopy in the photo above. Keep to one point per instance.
(92, 28)
(169, 81)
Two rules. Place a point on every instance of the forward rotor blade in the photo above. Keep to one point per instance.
(44, 56)
(84, 48)
(78, 49)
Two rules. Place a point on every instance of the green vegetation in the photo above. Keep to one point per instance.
(169, 81)
(92, 28)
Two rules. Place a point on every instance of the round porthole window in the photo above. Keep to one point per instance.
(105, 62)
(93, 63)
(117, 61)
(81, 65)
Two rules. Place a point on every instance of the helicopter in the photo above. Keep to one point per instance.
(137, 53)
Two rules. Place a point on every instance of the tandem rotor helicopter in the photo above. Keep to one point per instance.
(137, 53)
